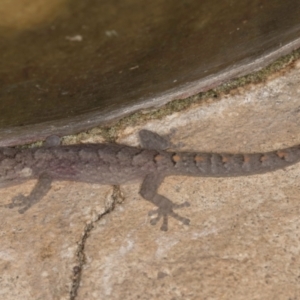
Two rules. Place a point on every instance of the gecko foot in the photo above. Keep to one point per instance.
(41, 188)
(20, 200)
(164, 205)
(165, 211)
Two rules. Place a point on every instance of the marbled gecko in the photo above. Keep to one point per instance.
(115, 164)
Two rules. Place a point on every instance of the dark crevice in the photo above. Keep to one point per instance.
(117, 198)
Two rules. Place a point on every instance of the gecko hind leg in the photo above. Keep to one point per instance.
(39, 191)
(151, 140)
(165, 206)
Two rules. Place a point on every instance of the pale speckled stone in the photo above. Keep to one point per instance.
(38, 248)
(243, 241)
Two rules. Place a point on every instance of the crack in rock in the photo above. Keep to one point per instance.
(115, 198)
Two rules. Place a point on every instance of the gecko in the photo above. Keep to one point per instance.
(115, 164)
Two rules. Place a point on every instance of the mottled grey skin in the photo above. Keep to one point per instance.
(116, 164)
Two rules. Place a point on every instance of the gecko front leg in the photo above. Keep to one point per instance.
(38, 192)
(165, 206)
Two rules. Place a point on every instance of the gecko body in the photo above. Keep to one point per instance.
(116, 164)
